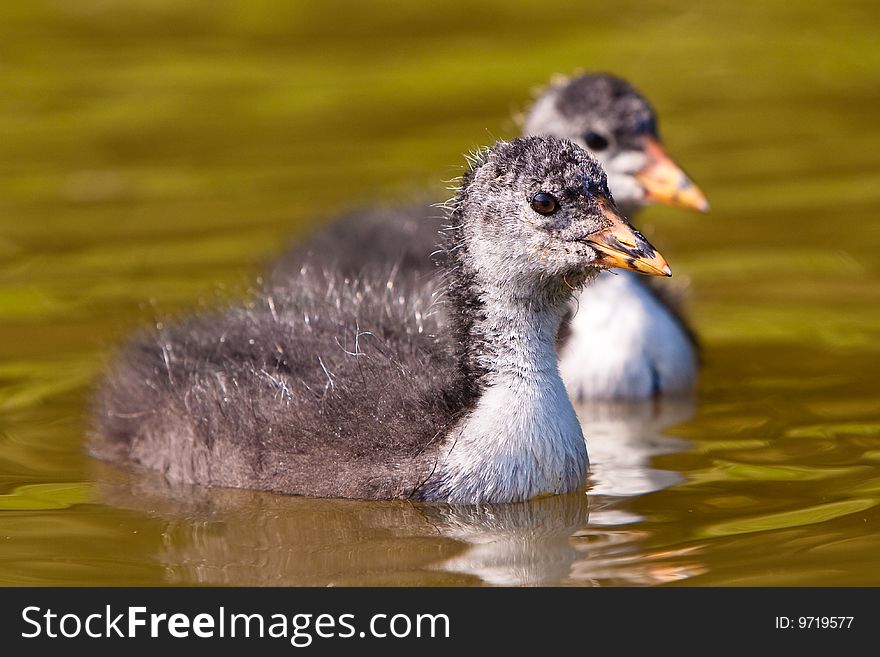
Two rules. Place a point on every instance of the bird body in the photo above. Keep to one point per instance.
(625, 343)
(622, 339)
(341, 386)
(328, 388)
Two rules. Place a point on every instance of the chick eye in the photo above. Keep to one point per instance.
(595, 141)
(544, 203)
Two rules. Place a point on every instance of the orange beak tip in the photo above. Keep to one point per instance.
(702, 205)
(620, 245)
(665, 182)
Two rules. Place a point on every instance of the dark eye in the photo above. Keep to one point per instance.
(544, 203)
(595, 141)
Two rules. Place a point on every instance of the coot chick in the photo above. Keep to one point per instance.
(348, 387)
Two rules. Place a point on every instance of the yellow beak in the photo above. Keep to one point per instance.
(665, 182)
(621, 245)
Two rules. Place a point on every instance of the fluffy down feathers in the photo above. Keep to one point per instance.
(403, 237)
(346, 377)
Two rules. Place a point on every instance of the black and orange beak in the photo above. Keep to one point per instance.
(665, 182)
(621, 245)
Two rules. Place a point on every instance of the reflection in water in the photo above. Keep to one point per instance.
(527, 543)
(622, 439)
(234, 537)
(550, 541)
(238, 537)
(555, 540)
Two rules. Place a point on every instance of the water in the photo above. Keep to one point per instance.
(154, 156)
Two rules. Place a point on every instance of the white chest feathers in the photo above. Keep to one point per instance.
(625, 344)
(522, 440)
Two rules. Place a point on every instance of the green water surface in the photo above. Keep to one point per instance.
(154, 154)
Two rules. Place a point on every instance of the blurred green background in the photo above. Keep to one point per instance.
(155, 153)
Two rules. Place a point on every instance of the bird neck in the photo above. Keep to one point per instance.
(504, 325)
(520, 437)
(513, 338)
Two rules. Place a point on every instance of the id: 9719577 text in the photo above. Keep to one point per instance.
(814, 622)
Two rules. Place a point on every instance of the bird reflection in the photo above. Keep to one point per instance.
(564, 539)
(248, 538)
(623, 439)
